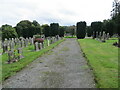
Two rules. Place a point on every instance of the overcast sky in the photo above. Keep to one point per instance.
(64, 12)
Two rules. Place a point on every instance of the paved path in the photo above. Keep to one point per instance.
(62, 67)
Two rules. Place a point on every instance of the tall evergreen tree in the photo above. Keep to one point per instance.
(96, 27)
(46, 29)
(54, 29)
(81, 30)
(61, 31)
(89, 31)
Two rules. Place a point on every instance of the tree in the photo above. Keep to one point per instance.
(46, 30)
(81, 30)
(96, 27)
(37, 28)
(25, 28)
(109, 27)
(72, 30)
(54, 29)
(89, 31)
(116, 17)
(8, 32)
(61, 31)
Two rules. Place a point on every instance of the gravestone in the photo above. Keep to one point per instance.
(93, 36)
(108, 36)
(41, 46)
(30, 40)
(18, 44)
(5, 47)
(22, 43)
(11, 56)
(48, 42)
(100, 34)
(52, 40)
(36, 46)
(12, 45)
(96, 35)
(20, 56)
(27, 41)
(15, 41)
(103, 37)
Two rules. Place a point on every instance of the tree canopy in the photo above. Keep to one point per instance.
(25, 28)
(8, 32)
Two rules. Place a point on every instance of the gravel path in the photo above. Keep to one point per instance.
(62, 67)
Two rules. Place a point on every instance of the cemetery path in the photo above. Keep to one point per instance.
(62, 67)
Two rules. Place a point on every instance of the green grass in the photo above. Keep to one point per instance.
(70, 37)
(103, 59)
(29, 54)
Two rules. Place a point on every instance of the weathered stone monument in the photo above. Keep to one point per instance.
(36, 46)
(20, 53)
(103, 37)
(107, 36)
(48, 42)
(11, 56)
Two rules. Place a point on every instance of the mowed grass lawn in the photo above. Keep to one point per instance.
(103, 59)
(29, 55)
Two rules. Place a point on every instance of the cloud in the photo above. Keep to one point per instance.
(65, 12)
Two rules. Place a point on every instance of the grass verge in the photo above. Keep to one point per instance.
(70, 37)
(103, 59)
(29, 54)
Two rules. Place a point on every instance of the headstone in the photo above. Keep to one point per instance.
(43, 45)
(93, 36)
(51, 40)
(10, 56)
(27, 41)
(40, 46)
(36, 46)
(103, 37)
(108, 36)
(48, 42)
(20, 56)
(19, 43)
(97, 35)
(12, 45)
(12, 39)
(100, 35)
(22, 42)
(5, 47)
(30, 40)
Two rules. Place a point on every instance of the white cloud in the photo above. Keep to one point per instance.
(65, 12)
